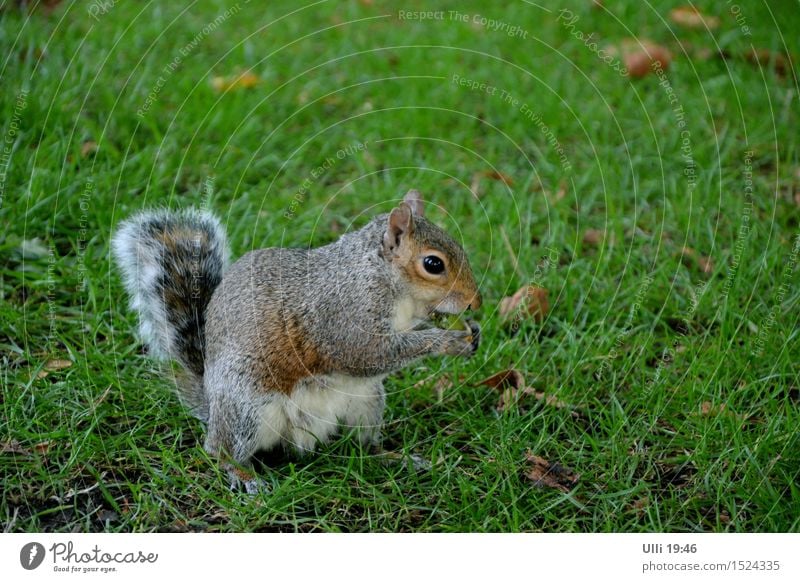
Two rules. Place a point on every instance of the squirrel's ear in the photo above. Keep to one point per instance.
(400, 226)
(414, 200)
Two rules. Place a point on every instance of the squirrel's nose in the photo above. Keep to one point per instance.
(476, 301)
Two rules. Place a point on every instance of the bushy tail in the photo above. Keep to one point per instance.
(171, 263)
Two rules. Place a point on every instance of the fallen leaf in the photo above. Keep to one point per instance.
(530, 300)
(53, 365)
(780, 62)
(13, 447)
(42, 447)
(543, 473)
(495, 175)
(88, 148)
(691, 17)
(641, 56)
(593, 237)
(511, 384)
(640, 505)
(508, 382)
(510, 378)
(246, 80)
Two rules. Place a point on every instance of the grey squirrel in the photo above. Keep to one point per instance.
(286, 345)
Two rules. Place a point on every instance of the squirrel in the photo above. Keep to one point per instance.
(287, 345)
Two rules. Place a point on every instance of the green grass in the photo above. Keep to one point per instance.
(638, 341)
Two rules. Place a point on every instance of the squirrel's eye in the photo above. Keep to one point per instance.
(433, 264)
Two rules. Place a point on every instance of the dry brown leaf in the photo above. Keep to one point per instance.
(593, 237)
(529, 300)
(640, 57)
(640, 505)
(780, 62)
(506, 379)
(88, 148)
(691, 17)
(246, 80)
(508, 382)
(495, 175)
(511, 385)
(53, 365)
(42, 447)
(543, 473)
(13, 447)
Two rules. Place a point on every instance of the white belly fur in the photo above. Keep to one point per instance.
(317, 407)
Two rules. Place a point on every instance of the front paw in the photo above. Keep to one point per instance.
(463, 343)
(241, 480)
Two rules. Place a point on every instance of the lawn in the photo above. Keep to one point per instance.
(660, 213)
